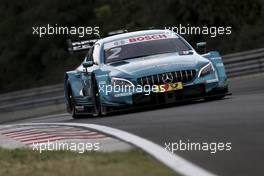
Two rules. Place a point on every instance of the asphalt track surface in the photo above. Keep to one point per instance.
(237, 119)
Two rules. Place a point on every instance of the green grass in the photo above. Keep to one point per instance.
(24, 162)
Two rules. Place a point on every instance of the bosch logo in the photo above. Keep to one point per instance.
(147, 38)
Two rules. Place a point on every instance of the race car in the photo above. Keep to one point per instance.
(141, 68)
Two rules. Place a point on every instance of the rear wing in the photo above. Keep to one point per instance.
(77, 46)
(121, 31)
(82, 45)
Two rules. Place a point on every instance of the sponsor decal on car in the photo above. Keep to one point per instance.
(147, 38)
(170, 87)
(137, 39)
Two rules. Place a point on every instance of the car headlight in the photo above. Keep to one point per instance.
(121, 82)
(206, 70)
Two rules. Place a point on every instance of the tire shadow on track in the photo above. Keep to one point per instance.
(146, 108)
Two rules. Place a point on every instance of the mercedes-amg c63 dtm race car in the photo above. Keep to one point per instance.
(141, 68)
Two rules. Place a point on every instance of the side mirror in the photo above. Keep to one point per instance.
(201, 45)
(87, 64)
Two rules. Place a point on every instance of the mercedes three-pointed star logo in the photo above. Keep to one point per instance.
(167, 78)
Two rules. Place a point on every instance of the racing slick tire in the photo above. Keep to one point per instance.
(99, 109)
(217, 94)
(72, 108)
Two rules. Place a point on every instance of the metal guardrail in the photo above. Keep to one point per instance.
(30, 98)
(237, 64)
(244, 63)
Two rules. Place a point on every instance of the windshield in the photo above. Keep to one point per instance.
(143, 46)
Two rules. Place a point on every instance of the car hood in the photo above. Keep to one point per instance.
(156, 64)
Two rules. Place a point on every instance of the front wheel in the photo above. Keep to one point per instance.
(218, 94)
(72, 108)
(99, 109)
